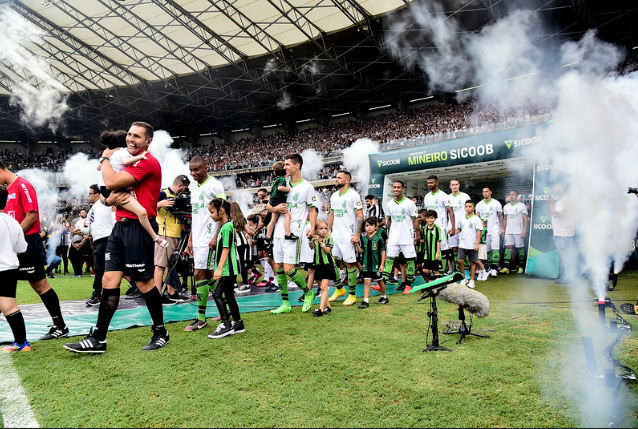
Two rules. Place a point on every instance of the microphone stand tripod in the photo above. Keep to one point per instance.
(464, 329)
(434, 320)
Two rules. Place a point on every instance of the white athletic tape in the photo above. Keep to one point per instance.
(14, 404)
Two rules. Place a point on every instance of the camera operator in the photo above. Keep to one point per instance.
(60, 227)
(170, 229)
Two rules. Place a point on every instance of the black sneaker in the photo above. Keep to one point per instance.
(364, 304)
(291, 237)
(401, 286)
(272, 288)
(159, 340)
(55, 333)
(224, 329)
(383, 300)
(87, 345)
(327, 310)
(177, 298)
(238, 327)
(317, 312)
(93, 301)
(167, 301)
(133, 294)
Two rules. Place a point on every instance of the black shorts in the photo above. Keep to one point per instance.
(32, 261)
(325, 272)
(99, 250)
(308, 266)
(279, 199)
(131, 249)
(432, 265)
(262, 244)
(400, 260)
(371, 275)
(9, 283)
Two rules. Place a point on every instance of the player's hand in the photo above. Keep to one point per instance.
(476, 248)
(118, 198)
(523, 234)
(213, 243)
(452, 232)
(218, 274)
(355, 239)
(281, 208)
(189, 248)
(310, 233)
(166, 203)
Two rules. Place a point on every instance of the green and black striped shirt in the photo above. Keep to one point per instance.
(322, 258)
(430, 238)
(226, 239)
(372, 248)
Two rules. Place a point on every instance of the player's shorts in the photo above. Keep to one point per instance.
(325, 272)
(493, 242)
(131, 250)
(345, 251)
(9, 284)
(470, 253)
(33, 260)
(204, 258)
(432, 265)
(163, 254)
(482, 252)
(393, 250)
(308, 266)
(375, 276)
(444, 241)
(286, 251)
(514, 240)
(262, 244)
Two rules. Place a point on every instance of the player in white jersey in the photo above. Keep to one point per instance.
(457, 200)
(403, 233)
(439, 201)
(286, 252)
(345, 222)
(491, 212)
(202, 239)
(514, 228)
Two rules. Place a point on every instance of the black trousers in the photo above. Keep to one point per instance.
(99, 252)
(224, 294)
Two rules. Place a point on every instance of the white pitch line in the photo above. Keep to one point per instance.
(14, 404)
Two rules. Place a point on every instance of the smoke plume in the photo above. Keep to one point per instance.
(355, 160)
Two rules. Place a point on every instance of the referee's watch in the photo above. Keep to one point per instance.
(104, 158)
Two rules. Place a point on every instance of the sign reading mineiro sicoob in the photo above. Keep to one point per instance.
(460, 153)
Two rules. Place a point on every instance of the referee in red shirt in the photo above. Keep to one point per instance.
(22, 205)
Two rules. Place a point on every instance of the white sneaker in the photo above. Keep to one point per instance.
(471, 284)
(292, 285)
(463, 282)
(493, 273)
(480, 276)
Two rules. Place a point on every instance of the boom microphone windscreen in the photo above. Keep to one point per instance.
(475, 302)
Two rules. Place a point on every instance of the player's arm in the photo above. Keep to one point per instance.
(450, 215)
(389, 223)
(222, 262)
(28, 221)
(313, 221)
(438, 250)
(503, 224)
(478, 239)
(115, 181)
(382, 262)
(281, 208)
(357, 235)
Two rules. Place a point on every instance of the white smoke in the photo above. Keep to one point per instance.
(171, 160)
(80, 172)
(355, 160)
(285, 101)
(40, 96)
(434, 49)
(312, 164)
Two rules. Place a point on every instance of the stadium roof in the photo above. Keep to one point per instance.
(202, 66)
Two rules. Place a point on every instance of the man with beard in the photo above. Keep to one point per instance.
(439, 201)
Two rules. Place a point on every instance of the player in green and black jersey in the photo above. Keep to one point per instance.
(429, 250)
(226, 271)
(372, 247)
